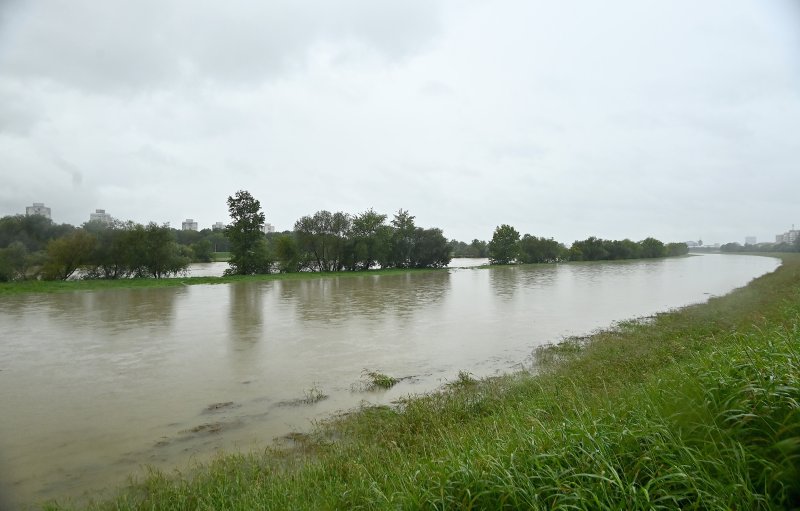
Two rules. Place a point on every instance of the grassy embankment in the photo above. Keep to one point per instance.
(694, 409)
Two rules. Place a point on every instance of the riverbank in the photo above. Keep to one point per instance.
(690, 409)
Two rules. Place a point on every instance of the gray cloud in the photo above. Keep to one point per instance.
(147, 45)
(628, 119)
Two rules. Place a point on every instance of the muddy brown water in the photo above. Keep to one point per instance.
(95, 386)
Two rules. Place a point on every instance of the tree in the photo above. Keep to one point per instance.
(430, 249)
(115, 252)
(288, 254)
(479, 248)
(14, 262)
(249, 254)
(590, 249)
(540, 250)
(652, 247)
(156, 252)
(677, 249)
(504, 247)
(323, 237)
(201, 250)
(402, 239)
(368, 239)
(66, 254)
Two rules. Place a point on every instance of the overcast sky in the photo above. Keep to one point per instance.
(673, 119)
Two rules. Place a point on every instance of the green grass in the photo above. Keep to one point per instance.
(693, 409)
(377, 380)
(45, 286)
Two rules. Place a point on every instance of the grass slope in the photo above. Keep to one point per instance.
(694, 409)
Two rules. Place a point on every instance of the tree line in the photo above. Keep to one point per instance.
(508, 247)
(34, 247)
(331, 241)
(761, 247)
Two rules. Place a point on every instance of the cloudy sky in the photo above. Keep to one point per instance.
(676, 119)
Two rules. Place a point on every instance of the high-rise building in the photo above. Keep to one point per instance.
(788, 237)
(189, 225)
(101, 216)
(218, 226)
(267, 228)
(38, 208)
(750, 240)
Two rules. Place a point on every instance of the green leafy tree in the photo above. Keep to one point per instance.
(504, 246)
(402, 239)
(249, 252)
(368, 240)
(157, 253)
(288, 254)
(323, 237)
(201, 250)
(677, 249)
(115, 252)
(652, 247)
(33, 231)
(540, 250)
(14, 262)
(68, 253)
(430, 249)
(622, 249)
(590, 249)
(479, 248)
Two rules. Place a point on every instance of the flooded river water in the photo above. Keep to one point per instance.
(96, 385)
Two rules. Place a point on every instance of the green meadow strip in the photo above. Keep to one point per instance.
(45, 286)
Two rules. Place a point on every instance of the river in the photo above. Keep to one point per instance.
(96, 385)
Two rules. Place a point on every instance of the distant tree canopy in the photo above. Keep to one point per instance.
(506, 247)
(33, 247)
(762, 247)
(476, 248)
(540, 250)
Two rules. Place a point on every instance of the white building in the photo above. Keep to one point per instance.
(189, 225)
(788, 237)
(267, 228)
(100, 215)
(750, 240)
(218, 226)
(38, 208)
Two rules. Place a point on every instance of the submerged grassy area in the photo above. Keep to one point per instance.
(60, 286)
(694, 409)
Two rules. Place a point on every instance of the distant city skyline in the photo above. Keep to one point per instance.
(190, 224)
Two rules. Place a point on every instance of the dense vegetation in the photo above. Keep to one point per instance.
(507, 247)
(735, 248)
(694, 409)
(332, 242)
(34, 248)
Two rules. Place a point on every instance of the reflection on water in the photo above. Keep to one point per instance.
(335, 300)
(246, 312)
(101, 383)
